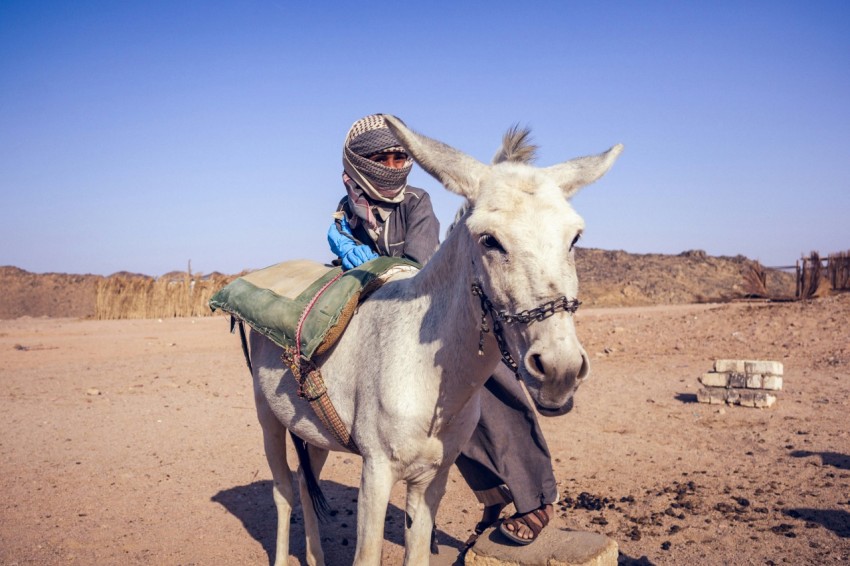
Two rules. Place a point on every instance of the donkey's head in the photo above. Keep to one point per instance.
(522, 233)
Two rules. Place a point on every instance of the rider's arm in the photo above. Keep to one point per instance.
(423, 230)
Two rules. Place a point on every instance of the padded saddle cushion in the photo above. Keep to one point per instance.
(272, 300)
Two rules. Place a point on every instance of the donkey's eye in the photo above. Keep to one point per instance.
(491, 243)
(575, 240)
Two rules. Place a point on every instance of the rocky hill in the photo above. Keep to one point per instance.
(617, 278)
(607, 278)
(46, 294)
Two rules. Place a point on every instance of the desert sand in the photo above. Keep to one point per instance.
(136, 442)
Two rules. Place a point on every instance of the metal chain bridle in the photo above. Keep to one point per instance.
(538, 313)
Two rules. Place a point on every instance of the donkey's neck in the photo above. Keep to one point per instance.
(453, 318)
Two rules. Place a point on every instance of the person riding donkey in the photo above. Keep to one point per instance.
(507, 459)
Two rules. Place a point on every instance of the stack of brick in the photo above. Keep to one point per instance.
(741, 382)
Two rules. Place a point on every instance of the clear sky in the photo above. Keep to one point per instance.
(139, 136)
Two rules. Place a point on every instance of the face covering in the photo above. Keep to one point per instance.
(367, 180)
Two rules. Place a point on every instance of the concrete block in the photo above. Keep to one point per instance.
(772, 383)
(763, 400)
(554, 547)
(754, 381)
(712, 395)
(733, 396)
(736, 366)
(714, 379)
(763, 367)
(752, 398)
(737, 380)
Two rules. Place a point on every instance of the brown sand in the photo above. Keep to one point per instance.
(135, 442)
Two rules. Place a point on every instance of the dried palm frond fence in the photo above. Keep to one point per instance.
(139, 296)
(815, 275)
(838, 271)
(755, 281)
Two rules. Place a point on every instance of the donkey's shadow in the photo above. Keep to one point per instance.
(253, 505)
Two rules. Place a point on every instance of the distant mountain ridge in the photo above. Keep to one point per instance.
(606, 279)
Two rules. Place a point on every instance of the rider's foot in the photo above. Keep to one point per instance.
(524, 528)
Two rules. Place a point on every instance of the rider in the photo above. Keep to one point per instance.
(382, 215)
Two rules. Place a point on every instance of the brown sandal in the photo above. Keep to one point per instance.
(524, 519)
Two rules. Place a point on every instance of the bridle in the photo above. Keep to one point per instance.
(541, 312)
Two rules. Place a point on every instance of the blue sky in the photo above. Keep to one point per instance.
(141, 135)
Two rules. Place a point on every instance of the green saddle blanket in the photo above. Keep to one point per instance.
(273, 300)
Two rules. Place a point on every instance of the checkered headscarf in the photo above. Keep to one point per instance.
(366, 137)
(368, 183)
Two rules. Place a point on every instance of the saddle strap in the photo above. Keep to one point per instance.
(325, 410)
(311, 388)
(311, 385)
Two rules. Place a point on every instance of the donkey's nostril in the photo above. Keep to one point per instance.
(585, 367)
(538, 363)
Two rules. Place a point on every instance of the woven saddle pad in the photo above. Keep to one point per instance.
(272, 300)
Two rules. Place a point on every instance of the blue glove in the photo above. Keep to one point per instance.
(358, 254)
(342, 244)
(340, 239)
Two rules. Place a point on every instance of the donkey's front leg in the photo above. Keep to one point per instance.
(376, 483)
(423, 497)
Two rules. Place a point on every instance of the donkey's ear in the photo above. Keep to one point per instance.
(576, 173)
(458, 172)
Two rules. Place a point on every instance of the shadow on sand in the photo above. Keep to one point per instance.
(686, 398)
(253, 505)
(834, 459)
(626, 560)
(836, 520)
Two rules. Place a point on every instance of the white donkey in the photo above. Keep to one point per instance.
(406, 375)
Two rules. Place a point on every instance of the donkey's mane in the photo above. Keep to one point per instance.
(516, 146)
(458, 215)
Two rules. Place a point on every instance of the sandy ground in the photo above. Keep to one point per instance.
(135, 442)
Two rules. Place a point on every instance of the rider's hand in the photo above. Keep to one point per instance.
(340, 239)
(358, 255)
(346, 248)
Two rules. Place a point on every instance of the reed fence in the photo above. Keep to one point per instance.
(838, 270)
(755, 281)
(131, 296)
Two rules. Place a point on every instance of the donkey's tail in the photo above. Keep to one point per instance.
(320, 504)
